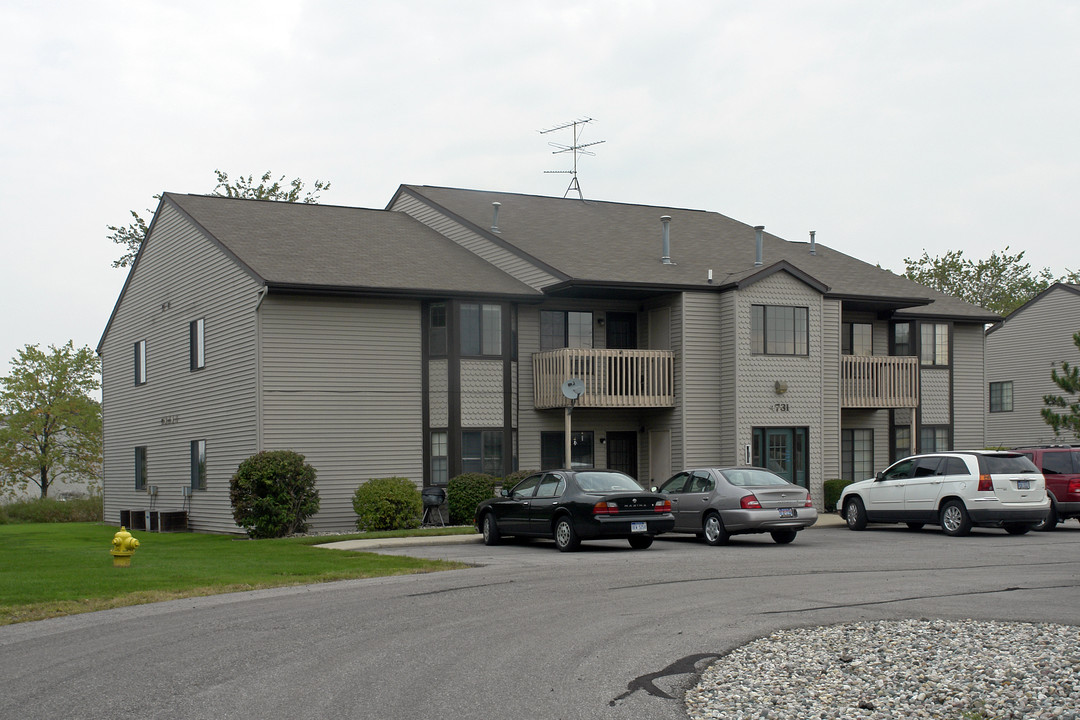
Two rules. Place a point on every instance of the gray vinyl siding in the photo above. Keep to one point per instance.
(731, 452)
(507, 261)
(701, 391)
(670, 420)
(828, 433)
(1023, 350)
(970, 396)
(180, 276)
(341, 384)
(804, 376)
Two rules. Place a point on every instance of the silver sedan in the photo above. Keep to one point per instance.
(716, 503)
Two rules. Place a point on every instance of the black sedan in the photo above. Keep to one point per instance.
(575, 505)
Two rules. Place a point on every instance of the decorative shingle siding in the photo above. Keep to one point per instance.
(438, 393)
(341, 384)
(482, 393)
(180, 276)
(934, 396)
(500, 257)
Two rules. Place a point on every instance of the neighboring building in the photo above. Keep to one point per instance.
(433, 338)
(1021, 352)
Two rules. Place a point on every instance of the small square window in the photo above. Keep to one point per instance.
(197, 345)
(140, 362)
(1001, 396)
(140, 467)
(198, 464)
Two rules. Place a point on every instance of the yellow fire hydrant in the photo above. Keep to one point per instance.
(123, 548)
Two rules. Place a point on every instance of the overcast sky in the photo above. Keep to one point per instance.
(888, 127)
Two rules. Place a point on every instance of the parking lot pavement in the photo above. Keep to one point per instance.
(825, 520)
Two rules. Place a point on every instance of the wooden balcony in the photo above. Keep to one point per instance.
(613, 378)
(879, 382)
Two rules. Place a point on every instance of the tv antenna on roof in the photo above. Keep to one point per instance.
(576, 148)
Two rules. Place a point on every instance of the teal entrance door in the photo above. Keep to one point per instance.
(784, 452)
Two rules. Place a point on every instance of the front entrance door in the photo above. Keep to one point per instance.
(622, 452)
(784, 452)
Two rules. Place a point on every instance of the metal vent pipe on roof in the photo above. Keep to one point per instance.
(666, 257)
(758, 229)
(495, 216)
(813, 242)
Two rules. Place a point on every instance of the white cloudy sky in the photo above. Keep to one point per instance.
(888, 127)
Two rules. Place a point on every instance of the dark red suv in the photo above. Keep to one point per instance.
(1060, 465)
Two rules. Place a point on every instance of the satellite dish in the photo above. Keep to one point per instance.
(573, 388)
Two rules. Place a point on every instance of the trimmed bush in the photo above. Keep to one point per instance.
(833, 488)
(273, 493)
(391, 503)
(49, 510)
(464, 492)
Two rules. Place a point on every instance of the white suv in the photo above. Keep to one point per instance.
(957, 490)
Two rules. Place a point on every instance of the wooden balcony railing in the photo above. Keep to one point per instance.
(613, 378)
(879, 382)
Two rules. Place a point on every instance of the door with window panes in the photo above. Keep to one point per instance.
(784, 451)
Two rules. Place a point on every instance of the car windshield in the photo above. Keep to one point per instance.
(1002, 464)
(602, 482)
(752, 477)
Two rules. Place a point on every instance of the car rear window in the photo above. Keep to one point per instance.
(602, 482)
(1061, 462)
(1003, 464)
(751, 477)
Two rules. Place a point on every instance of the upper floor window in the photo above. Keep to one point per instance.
(197, 344)
(779, 330)
(934, 344)
(437, 329)
(1001, 396)
(858, 339)
(569, 329)
(198, 464)
(140, 467)
(481, 329)
(902, 339)
(140, 362)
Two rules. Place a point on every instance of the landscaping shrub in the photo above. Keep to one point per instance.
(391, 503)
(273, 493)
(464, 492)
(833, 488)
(50, 510)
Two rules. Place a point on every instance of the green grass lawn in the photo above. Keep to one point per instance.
(52, 569)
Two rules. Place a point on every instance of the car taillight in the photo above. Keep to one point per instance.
(809, 502)
(605, 508)
(1074, 487)
(985, 484)
(749, 502)
(662, 506)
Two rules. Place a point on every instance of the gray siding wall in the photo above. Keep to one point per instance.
(500, 257)
(970, 395)
(341, 384)
(829, 430)
(702, 377)
(805, 377)
(181, 276)
(731, 453)
(1024, 350)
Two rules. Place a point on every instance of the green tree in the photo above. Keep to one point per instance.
(130, 236)
(1000, 283)
(1069, 381)
(51, 427)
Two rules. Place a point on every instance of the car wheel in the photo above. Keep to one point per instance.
(855, 514)
(783, 537)
(954, 519)
(490, 528)
(714, 531)
(915, 526)
(1049, 522)
(566, 539)
(1016, 528)
(640, 542)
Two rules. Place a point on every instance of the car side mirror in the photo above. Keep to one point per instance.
(655, 489)
(880, 475)
(504, 492)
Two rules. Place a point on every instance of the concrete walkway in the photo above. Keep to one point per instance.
(825, 520)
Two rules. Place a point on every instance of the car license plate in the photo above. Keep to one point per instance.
(787, 512)
(639, 527)
(1023, 484)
